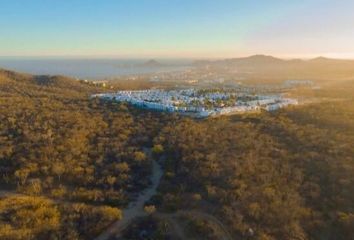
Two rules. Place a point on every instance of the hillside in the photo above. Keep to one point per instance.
(15, 83)
(268, 66)
(81, 160)
(281, 175)
(77, 163)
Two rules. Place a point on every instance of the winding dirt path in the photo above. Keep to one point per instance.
(136, 208)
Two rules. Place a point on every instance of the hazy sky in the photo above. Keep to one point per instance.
(177, 28)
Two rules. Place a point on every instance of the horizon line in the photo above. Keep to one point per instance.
(117, 57)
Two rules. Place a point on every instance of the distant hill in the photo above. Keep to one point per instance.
(264, 59)
(152, 63)
(269, 66)
(26, 84)
(255, 59)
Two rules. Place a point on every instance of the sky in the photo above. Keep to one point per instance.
(177, 28)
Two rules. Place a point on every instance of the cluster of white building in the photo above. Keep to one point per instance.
(191, 101)
(295, 83)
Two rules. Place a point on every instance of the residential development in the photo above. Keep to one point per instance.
(200, 103)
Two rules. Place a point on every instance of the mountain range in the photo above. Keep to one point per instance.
(269, 66)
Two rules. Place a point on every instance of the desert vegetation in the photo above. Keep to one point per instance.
(74, 163)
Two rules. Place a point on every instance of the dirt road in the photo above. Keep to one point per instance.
(136, 208)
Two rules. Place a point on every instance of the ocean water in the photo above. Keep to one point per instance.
(89, 68)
